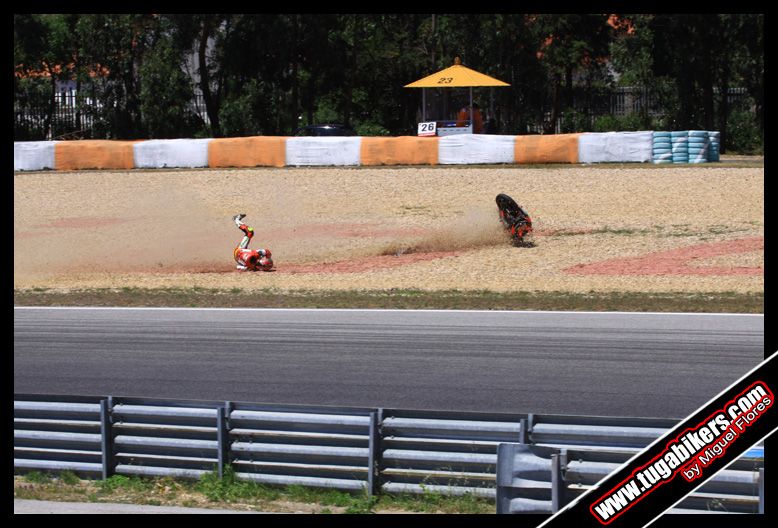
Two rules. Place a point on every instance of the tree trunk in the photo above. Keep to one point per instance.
(77, 102)
(723, 104)
(707, 90)
(349, 91)
(568, 87)
(550, 128)
(723, 116)
(295, 76)
(211, 103)
(48, 124)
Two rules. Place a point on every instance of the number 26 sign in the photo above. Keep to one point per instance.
(427, 129)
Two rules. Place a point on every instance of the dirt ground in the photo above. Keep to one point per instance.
(643, 228)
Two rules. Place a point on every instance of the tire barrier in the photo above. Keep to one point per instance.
(686, 146)
(715, 145)
(661, 147)
(680, 146)
(696, 146)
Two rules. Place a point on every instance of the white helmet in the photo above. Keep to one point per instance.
(266, 263)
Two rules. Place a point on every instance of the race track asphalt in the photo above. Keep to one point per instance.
(603, 364)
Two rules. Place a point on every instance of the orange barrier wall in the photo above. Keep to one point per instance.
(556, 148)
(273, 151)
(93, 154)
(257, 151)
(403, 150)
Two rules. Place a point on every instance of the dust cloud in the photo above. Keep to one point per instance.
(144, 232)
(177, 231)
(475, 229)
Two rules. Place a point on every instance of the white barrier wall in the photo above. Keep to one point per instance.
(460, 149)
(33, 155)
(476, 148)
(611, 147)
(323, 151)
(159, 153)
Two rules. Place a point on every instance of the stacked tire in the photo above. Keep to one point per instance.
(662, 148)
(715, 145)
(699, 145)
(679, 146)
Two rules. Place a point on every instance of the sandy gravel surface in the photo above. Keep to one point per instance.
(697, 228)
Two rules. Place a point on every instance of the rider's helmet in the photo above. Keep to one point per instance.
(266, 263)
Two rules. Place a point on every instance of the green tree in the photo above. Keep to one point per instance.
(165, 93)
(114, 46)
(690, 62)
(45, 48)
(566, 45)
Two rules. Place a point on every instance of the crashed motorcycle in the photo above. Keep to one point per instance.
(515, 220)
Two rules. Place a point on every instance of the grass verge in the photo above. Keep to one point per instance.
(232, 494)
(712, 302)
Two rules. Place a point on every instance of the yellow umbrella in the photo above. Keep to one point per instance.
(456, 76)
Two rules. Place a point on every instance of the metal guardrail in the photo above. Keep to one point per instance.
(446, 452)
(352, 449)
(540, 479)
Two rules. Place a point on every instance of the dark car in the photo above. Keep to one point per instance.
(325, 130)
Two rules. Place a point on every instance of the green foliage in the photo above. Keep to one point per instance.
(237, 116)
(122, 482)
(300, 493)
(229, 489)
(371, 129)
(69, 478)
(433, 502)
(574, 121)
(270, 73)
(744, 136)
(362, 505)
(165, 94)
(626, 123)
(36, 477)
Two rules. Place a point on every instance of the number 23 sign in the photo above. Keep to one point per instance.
(427, 129)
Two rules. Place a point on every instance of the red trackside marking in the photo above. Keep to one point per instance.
(677, 261)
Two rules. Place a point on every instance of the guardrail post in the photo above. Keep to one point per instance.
(106, 437)
(523, 433)
(564, 496)
(761, 491)
(223, 437)
(506, 454)
(526, 429)
(374, 453)
(557, 483)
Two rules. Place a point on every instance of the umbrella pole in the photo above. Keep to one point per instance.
(471, 109)
(423, 105)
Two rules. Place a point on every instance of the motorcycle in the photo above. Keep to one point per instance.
(515, 220)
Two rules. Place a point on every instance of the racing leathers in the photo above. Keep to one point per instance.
(250, 259)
